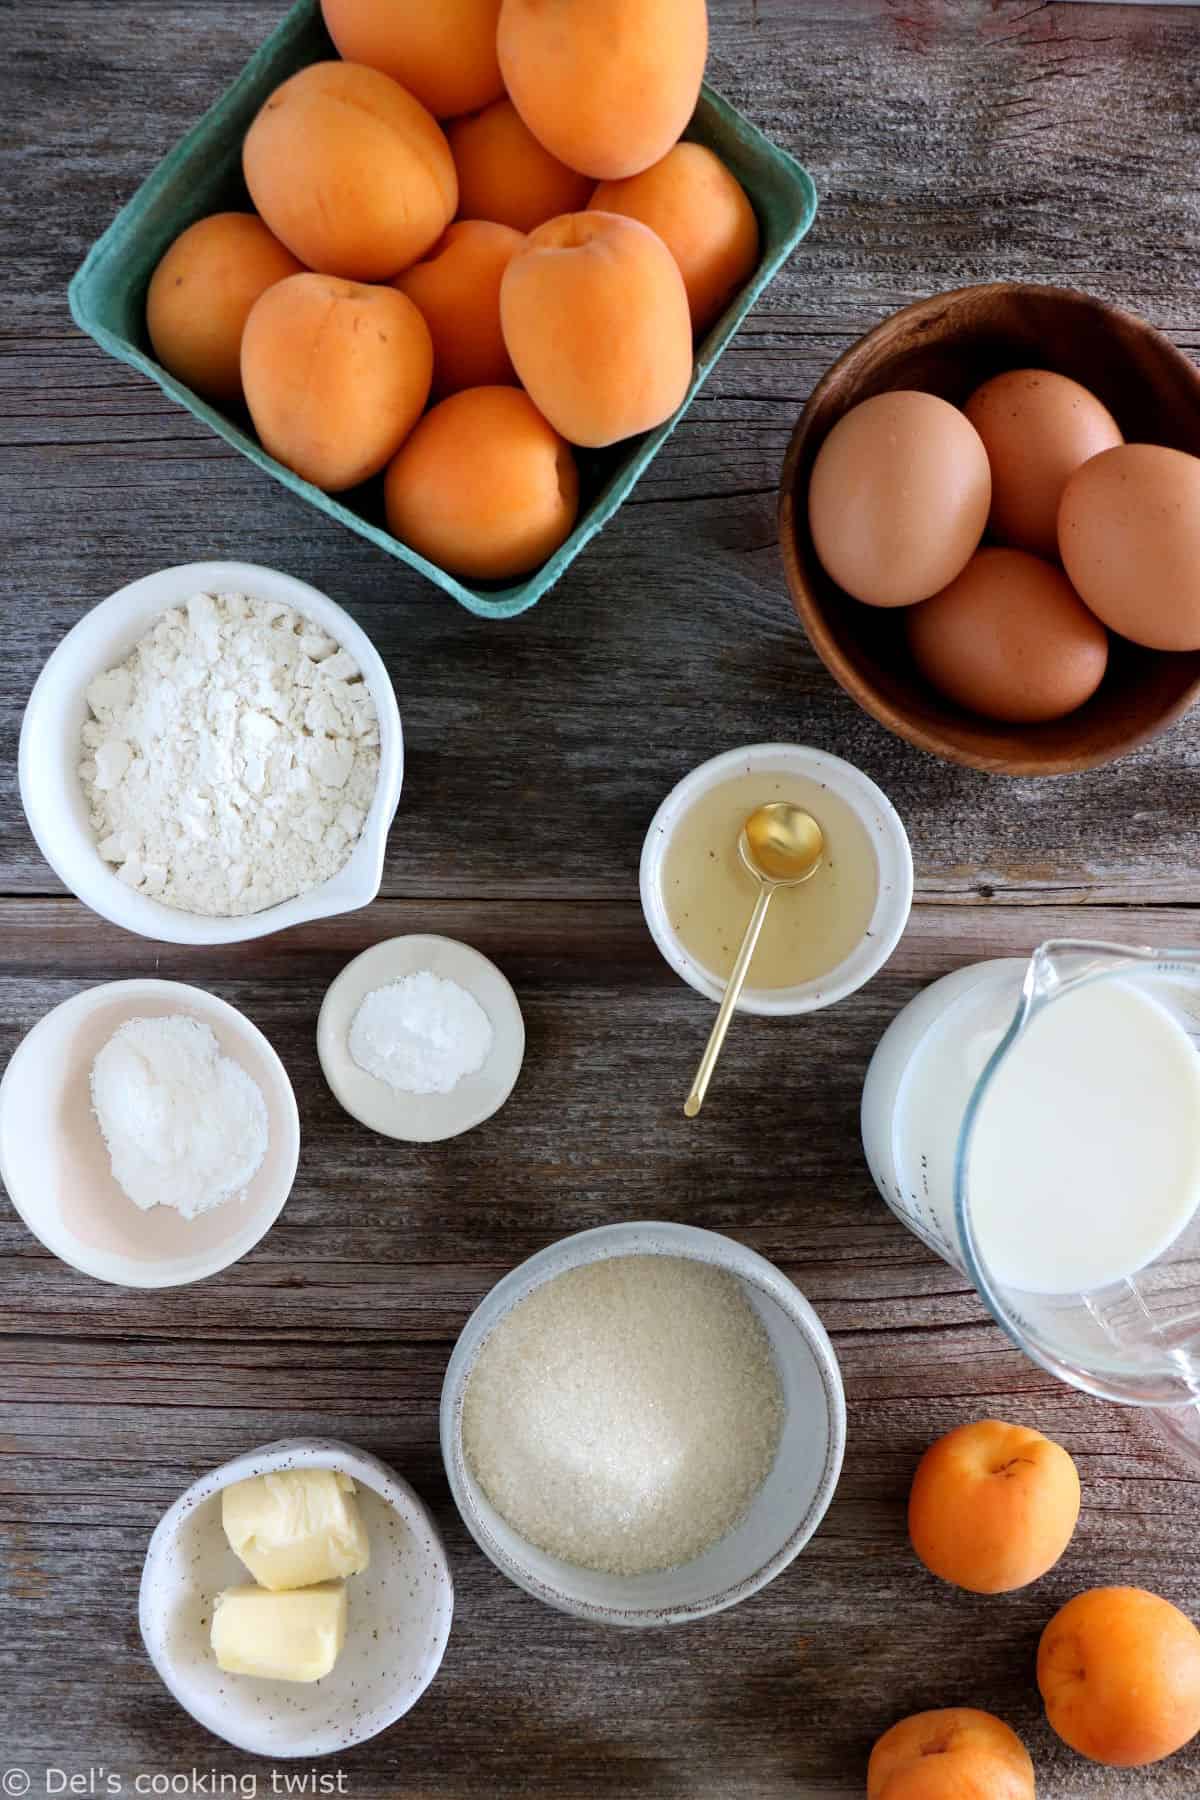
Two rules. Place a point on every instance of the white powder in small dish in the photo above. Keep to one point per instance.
(185, 1125)
(625, 1414)
(420, 1034)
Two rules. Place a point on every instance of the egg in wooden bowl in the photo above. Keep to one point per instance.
(1082, 378)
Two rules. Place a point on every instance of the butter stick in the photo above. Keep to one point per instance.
(295, 1528)
(282, 1637)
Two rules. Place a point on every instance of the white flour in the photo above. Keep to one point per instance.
(421, 1034)
(185, 1125)
(231, 759)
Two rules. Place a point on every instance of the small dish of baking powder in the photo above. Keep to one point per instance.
(421, 1034)
(421, 1038)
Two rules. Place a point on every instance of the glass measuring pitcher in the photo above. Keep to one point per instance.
(1039, 1126)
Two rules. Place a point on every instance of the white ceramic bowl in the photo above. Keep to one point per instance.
(53, 796)
(787, 1508)
(399, 1612)
(56, 1166)
(893, 901)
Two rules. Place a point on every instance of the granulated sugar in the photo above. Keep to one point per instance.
(624, 1416)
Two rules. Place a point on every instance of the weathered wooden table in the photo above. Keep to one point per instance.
(951, 142)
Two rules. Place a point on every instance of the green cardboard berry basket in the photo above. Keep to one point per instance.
(203, 175)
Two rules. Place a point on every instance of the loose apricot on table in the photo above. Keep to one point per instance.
(1119, 1674)
(703, 217)
(596, 320)
(606, 85)
(350, 171)
(484, 487)
(506, 175)
(457, 288)
(954, 1754)
(993, 1506)
(200, 297)
(336, 375)
(443, 51)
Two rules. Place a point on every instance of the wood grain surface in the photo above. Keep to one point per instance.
(952, 141)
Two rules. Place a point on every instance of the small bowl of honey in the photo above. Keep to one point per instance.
(821, 940)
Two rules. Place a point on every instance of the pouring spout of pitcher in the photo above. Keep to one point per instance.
(1064, 963)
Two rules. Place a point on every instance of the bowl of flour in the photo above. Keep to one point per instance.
(149, 1135)
(212, 754)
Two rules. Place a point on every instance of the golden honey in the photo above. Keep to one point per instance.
(709, 894)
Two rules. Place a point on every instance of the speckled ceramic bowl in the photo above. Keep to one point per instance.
(784, 1513)
(400, 1610)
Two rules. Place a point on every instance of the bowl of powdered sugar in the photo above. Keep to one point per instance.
(148, 1133)
(643, 1424)
(214, 753)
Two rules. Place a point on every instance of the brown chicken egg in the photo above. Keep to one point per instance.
(898, 497)
(1009, 638)
(1129, 537)
(1037, 428)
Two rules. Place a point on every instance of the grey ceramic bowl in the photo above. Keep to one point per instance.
(787, 1508)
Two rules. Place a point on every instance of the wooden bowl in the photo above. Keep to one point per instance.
(947, 345)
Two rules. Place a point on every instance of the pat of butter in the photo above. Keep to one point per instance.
(282, 1637)
(295, 1528)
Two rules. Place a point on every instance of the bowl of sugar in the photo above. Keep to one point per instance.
(643, 1424)
(149, 1134)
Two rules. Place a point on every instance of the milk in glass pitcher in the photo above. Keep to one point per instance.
(1038, 1125)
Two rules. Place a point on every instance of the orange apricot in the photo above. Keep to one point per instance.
(506, 175)
(200, 296)
(457, 288)
(993, 1506)
(1119, 1675)
(606, 85)
(350, 171)
(484, 487)
(336, 375)
(703, 217)
(954, 1754)
(443, 51)
(596, 320)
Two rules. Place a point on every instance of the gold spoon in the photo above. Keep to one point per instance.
(781, 846)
